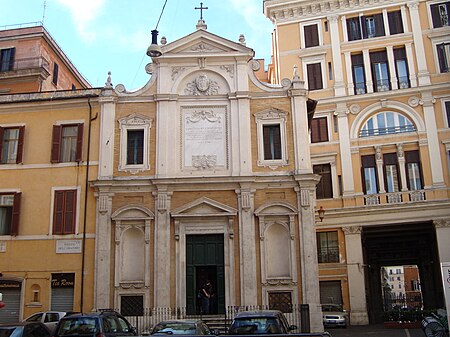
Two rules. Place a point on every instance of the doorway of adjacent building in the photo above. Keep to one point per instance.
(205, 261)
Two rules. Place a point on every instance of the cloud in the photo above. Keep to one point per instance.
(251, 11)
(83, 12)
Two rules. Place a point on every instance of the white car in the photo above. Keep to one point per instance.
(49, 318)
(334, 316)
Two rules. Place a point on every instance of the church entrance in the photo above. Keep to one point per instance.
(205, 261)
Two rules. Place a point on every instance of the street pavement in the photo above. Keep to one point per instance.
(377, 330)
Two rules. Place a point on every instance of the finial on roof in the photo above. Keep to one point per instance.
(295, 74)
(242, 39)
(108, 83)
(163, 40)
(201, 24)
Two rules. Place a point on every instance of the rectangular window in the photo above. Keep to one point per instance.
(330, 71)
(413, 171)
(64, 211)
(324, 188)
(353, 29)
(380, 71)
(67, 142)
(439, 14)
(395, 22)
(55, 74)
(135, 147)
(7, 59)
(359, 77)
(311, 36)
(401, 67)
(11, 145)
(447, 112)
(369, 174)
(443, 53)
(9, 213)
(272, 142)
(314, 71)
(328, 247)
(391, 172)
(319, 130)
(372, 26)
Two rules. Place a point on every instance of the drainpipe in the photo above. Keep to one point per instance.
(86, 187)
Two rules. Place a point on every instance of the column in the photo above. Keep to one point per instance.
(424, 75)
(339, 86)
(244, 120)
(308, 249)
(392, 72)
(356, 276)
(411, 68)
(348, 68)
(379, 161)
(368, 71)
(402, 167)
(442, 228)
(386, 22)
(404, 18)
(302, 155)
(344, 28)
(247, 245)
(437, 174)
(162, 247)
(344, 145)
(103, 249)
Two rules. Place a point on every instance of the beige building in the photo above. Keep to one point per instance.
(380, 138)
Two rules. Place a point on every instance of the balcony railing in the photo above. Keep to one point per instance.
(403, 82)
(382, 85)
(27, 63)
(360, 88)
(387, 131)
(394, 198)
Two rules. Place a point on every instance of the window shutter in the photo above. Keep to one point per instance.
(55, 73)
(395, 22)
(277, 142)
(56, 143)
(20, 145)
(58, 212)
(379, 25)
(311, 36)
(1, 142)
(16, 214)
(315, 131)
(266, 136)
(69, 211)
(442, 58)
(363, 26)
(323, 129)
(435, 16)
(314, 76)
(11, 58)
(447, 112)
(78, 156)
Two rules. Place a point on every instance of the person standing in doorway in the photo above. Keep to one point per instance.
(206, 292)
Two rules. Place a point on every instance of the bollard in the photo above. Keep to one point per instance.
(304, 318)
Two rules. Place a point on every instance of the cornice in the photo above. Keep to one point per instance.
(282, 11)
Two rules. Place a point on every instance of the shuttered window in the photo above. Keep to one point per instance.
(55, 74)
(319, 130)
(440, 14)
(311, 36)
(413, 170)
(67, 143)
(391, 176)
(324, 188)
(10, 213)
(314, 71)
(135, 147)
(64, 212)
(353, 29)
(272, 142)
(395, 22)
(327, 247)
(369, 174)
(11, 145)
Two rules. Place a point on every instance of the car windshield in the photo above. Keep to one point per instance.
(77, 326)
(34, 318)
(175, 328)
(331, 307)
(255, 325)
(10, 331)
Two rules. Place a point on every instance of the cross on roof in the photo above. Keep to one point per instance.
(201, 10)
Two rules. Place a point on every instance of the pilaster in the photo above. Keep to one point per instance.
(442, 227)
(356, 275)
(368, 71)
(379, 162)
(106, 142)
(339, 86)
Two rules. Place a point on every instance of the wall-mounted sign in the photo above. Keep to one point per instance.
(10, 285)
(68, 246)
(2, 246)
(63, 280)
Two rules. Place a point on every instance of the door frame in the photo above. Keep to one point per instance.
(202, 226)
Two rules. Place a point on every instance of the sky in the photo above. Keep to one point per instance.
(113, 35)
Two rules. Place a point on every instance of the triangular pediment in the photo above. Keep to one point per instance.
(204, 207)
(204, 43)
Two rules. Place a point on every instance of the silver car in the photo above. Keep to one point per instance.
(334, 316)
(49, 318)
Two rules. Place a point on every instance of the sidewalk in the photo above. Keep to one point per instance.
(377, 330)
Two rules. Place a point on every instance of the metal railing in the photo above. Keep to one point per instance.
(26, 63)
(394, 198)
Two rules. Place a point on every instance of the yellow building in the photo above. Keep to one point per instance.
(380, 138)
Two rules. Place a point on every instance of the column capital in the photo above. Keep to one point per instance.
(441, 223)
(352, 230)
(413, 5)
(333, 18)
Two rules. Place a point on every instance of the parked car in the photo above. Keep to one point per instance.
(181, 327)
(334, 316)
(104, 324)
(260, 322)
(49, 318)
(24, 329)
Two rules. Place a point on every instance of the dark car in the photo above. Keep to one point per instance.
(98, 324)
(181, 327)
(260, 322)
(24, 329)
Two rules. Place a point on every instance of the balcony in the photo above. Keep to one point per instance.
(25, 66)
(382, 85)
(387, 130)
(360, 88)
(403, 82)
(394, 198)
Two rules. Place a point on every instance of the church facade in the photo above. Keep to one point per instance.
(205, 174)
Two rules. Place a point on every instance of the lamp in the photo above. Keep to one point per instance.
(321, 212)
(154, 50)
